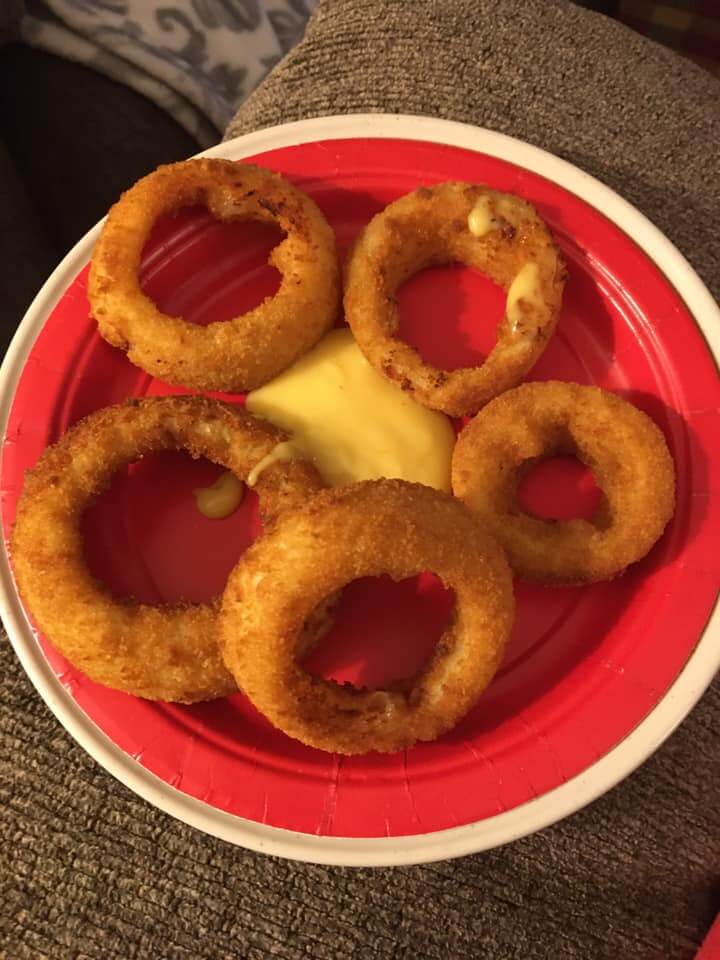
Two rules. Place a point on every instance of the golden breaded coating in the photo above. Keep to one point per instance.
(624, 449)
(496, 233)
(363, 530)
(159, 652)
(247, 351)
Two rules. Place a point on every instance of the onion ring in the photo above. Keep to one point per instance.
(247, 351)
(510, 244)
(621, 445)
(159, 652)
(362, 530)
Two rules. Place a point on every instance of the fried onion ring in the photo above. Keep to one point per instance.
(247, 351)
(622, 446)
(159, 652)
(510, 245)
(362, 530)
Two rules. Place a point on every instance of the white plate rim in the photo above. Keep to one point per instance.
(531, 816)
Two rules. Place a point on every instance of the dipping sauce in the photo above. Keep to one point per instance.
(221, 498)
(352, 422)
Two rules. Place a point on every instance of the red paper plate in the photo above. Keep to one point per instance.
(584, 667)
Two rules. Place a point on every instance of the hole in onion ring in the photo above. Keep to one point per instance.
(559, 488)
(146, 539)
(382, 631)
(208, 270)
(450, 315)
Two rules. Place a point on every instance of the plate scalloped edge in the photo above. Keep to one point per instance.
(534, 815)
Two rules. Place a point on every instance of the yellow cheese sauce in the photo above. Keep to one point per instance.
(286, 450)
(352, 422)
(480, 218)
(525, 289)
(221, 498)
(490, 210)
